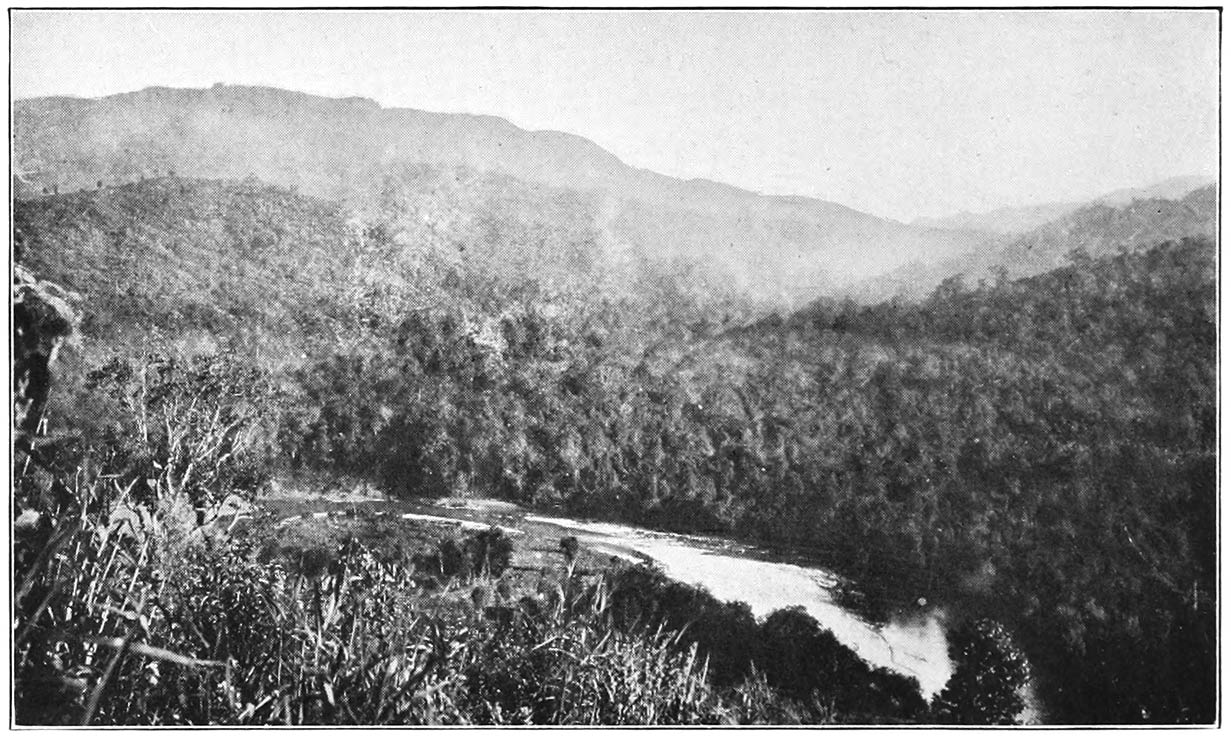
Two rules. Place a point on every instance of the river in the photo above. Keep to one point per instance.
(914, 647)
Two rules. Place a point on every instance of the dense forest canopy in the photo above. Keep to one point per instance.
(1100, 228)
(1036, 451)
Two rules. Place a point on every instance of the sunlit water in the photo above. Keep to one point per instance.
(915, 648)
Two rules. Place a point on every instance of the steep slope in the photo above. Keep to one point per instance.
(1098, 229)
(175, 253)
(777, 248)
(247, 258)
(1103, 229)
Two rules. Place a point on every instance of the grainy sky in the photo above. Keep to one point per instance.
(896, 113)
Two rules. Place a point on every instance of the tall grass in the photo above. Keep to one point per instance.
(115, 630)
(131, 609)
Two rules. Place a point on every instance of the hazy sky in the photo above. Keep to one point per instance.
(896, 113)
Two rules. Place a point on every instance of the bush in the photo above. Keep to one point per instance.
(808, 663)
(790, 652)
(988, 676)
(486, 553)
(489, 552)
(197, 428)
(725, 633)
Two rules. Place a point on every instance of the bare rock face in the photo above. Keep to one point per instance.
(44, 317)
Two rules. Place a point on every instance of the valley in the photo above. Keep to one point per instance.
(913, 645)
(750, 459)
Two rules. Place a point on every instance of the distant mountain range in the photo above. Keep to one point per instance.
(777, 248)
(1099, 229)
(1018, 220)
(454, 178)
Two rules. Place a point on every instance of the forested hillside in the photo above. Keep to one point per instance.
(1086, 422)
(1039, 451)
(202, 259)
(1099, 229)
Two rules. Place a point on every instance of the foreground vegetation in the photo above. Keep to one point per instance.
(1035, 455)
(149, 593)
(130, 612)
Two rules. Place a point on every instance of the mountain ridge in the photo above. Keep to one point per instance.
(1170, 188)
(1098, 228)
(310, 100)
(780, 249)
(1018, 219)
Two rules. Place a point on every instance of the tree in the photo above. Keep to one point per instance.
(989, 672)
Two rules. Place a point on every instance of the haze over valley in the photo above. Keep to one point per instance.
(380, 163)
(332, 410)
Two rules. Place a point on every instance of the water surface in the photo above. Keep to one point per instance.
(913, 646)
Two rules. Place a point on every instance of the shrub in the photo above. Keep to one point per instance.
(489, 552)
(988, 676)
(194, 427)
(568, 547)
(725, 633)
(807, 662)
(485, 553)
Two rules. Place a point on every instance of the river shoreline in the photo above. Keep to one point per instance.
(731, 570)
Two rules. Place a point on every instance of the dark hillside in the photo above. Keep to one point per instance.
(1042, 448)
(176, 253)
(246, 258)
